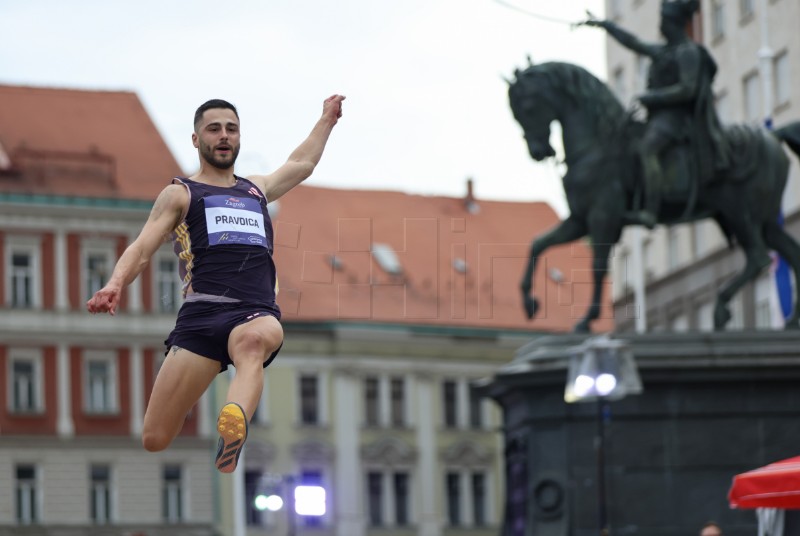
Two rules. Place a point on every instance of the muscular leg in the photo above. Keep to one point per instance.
(250, 344)
(180, 383)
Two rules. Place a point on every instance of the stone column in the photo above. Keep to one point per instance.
(64, 425)
(62, 294)
(137, 390)
(429, 522)
(349, 493)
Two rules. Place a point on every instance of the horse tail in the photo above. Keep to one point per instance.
(790, 135)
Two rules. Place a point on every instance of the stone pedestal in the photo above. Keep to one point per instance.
(714, 405)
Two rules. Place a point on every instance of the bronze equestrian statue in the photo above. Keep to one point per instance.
(678, 166)
(679, 101)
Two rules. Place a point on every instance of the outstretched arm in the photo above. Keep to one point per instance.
(164, 217)
(623, 37)
(304, 159)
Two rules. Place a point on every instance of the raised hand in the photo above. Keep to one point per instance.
(592, 20)
(332, 106)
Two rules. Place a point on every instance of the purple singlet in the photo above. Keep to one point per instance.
(224, 244)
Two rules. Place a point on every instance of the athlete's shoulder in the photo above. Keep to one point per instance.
(174, 196)
(252, 186)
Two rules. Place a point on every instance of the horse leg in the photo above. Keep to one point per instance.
(756, 258)
(779, 240)
(568, 230)
(600, 253)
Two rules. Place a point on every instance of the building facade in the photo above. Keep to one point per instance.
(756, 47)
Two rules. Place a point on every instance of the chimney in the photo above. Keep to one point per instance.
(469, 201)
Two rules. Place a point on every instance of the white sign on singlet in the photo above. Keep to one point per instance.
(234, 220)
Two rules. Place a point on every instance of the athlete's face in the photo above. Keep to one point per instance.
(217, 137)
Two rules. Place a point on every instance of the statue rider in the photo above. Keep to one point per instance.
(679, 101)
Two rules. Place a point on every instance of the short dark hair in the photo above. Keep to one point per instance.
(210, 104)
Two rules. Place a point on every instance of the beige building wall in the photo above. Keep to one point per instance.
(344, 448)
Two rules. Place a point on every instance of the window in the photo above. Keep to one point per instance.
(100, 387)
(26, 382)
(746, 8)
(402, 517)
(449, 403)
(23, 274)
(167, 285)
(21, 288)
(752, 98)
(375, 498)
(717, 19)
(26, 495)
(782, 79)
(398, 401)
(98, 270)
(453, 490)
(398, 498)
(172, 494)
(475, 410)
(371, 401)
(479, 499)
(100, 493)
(309, 399)
(384, 401)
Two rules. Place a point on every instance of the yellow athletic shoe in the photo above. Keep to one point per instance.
(232, 428)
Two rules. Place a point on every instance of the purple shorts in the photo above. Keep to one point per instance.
(204, 327)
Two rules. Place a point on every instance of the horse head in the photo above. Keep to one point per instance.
(531, 105)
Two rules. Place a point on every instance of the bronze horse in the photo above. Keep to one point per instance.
(601, 185)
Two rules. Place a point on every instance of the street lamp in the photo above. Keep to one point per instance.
(601, 370)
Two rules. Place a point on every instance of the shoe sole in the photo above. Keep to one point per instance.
(232, 429)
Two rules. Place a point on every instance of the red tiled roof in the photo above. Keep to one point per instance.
(80, 143)
(428, 234)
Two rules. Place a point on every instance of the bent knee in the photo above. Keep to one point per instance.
(258, 342)
(153, 442)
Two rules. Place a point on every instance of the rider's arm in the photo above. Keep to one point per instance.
(685, 90)
(627, 39)
(165, 215)
(304, 159)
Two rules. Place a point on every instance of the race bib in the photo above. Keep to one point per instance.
(234, 220)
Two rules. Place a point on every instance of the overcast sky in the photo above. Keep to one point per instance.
(426, 105)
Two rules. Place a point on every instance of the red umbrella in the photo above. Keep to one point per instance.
(776, 485)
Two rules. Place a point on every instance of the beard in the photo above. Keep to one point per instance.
(208, 154)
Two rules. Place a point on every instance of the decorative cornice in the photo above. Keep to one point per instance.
(313, 450)
(466, 453)
(389, 451)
